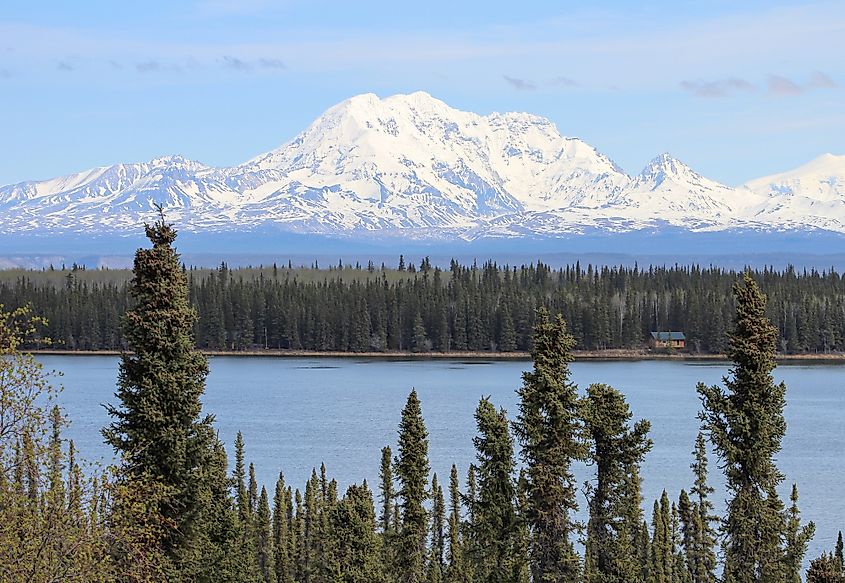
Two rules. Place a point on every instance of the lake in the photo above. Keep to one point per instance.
(298, 412)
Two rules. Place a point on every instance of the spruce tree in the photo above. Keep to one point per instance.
(158, 431)
(387, 515)
(387, 494)
(354, 543)
(703, 553)
(438, 532)
(298, 554)
(455, 571)
(495, 528)
(796, 541)
(616, 451)
(239, 477)
(311, 543)
(838, 554)
(548, 429)
(825, 569)
(660, 553)
(471, 502)
(689, 532)
(412, 469)
(746, 425)
(680, 574)
(281, 530)
(264, 539)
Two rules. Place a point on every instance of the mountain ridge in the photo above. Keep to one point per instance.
(411, 164)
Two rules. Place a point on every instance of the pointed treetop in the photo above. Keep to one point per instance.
(161, 232)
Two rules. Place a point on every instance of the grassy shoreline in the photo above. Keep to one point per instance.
(582, 355)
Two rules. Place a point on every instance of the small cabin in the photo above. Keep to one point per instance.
(668, 340)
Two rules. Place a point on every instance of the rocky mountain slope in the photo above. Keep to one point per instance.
(413, 166)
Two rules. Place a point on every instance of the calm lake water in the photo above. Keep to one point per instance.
(297, 413)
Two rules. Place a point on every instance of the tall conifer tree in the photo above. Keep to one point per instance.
(438, 531)
(548, 429)
(495, 529)
(746, 425)
(281, 531)
(616, 451)
(455, 571)
(387, 516)
(354, 543)
(796, 541)
(264, 539)
(703, 556)
(157, 429)
(412, 469)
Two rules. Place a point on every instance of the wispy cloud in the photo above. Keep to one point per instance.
(519, 84)
(148, 67)
(65, 66)
(821, 80)
(718, 88)
(276, 64)
(779, 85)
(234, 63)
(5, 74)
(564, 82)
(245, 65)
(157, 66)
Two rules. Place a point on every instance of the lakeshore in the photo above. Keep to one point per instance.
(580, 355)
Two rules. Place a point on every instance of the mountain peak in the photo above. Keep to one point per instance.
(665, 163)
(821, 180)
(411, 164)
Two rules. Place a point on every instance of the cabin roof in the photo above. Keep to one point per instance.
(664, 336)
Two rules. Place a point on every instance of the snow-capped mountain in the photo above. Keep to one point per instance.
(411, 165)
(812, 194)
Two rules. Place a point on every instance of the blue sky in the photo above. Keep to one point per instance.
(735, 89)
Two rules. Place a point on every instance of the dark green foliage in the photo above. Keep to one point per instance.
(616, 451)
(437, 546)
(825, 569)
(548, 428)
(387, 493)
(496, 529)
(354, 543)
(661, 554)
(282, 514)
(412, 471)
(680, 573)
(264, 546)
(388, 522)
(838, 555)
(157, 430)
(701, 552)
(746, 425)
(351, 310)
(796, 541)
(456, 569)
(688, 518)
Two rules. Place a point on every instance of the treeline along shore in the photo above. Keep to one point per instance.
(608, 354)
(473, 309)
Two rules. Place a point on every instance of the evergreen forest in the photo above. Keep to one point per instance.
(408, 308)
(171, 509)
